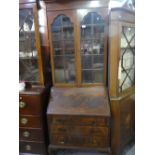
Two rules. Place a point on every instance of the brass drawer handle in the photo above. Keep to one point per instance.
(22, 104)
(24, 121)
(94, 141)
(28, 147)
(62, 142)
(26, 134)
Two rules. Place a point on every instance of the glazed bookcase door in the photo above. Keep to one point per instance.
(126, 71)
(62, 31)
(92, 46)
(30, 63)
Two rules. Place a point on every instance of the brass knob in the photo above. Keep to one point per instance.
(94, 141)
(26, 134)
(62, 142)
(22, 104)
(24, 121)
(28, 147)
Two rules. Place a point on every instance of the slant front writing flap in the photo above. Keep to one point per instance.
(80, 101)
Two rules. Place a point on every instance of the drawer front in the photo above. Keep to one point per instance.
(77, 120)
(31, 134)
(30, 121)
(29, 105)
(31, 147)
(79, 130)
(88, 141)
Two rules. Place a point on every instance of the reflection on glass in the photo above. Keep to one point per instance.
(98, 76)
(127, 62)
(28, 64)
(59, 69)
(87, 76)
(98, 61)
(86, 61)
(63, 46)
(92, 48)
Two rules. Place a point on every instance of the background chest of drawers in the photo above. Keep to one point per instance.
(79, 118)
(32, 121)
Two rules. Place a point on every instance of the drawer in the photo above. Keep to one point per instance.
(83, 141)
(29, 105)
(31, 147)
(79, 130)
(30, 121)
(78, 120)
(31, 134)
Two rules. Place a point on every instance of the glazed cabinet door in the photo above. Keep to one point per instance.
(126, 70)
(30, 61)
(61, 26)
(92, 49)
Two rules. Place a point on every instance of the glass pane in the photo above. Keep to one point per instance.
(56, 33)
(98, 46)
(86, 61)
(86, 47)
(98, 31)
(70, 69)
(98, 62)
(28, 64)
(98, 76)
(64, 60)
(127, 59)
(69, 45)
(88, 19)
(28, 69)
(127, 63)
(132, 43)
(57, 45)
(128, 32)
(98, 19)
(68, 33)
(124, 43)
(57, 22)
(92, 48)
(86, 31)
(59, 69)
(87, 76)
(66, 21)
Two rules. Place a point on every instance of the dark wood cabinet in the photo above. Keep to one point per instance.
(79, 123)
(32, 120)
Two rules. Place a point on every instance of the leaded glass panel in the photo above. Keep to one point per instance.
(28, 58)
(63, 47)
(127, 59)
(92, 48)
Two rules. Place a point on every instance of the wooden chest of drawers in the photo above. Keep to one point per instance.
(32, 121)
(79, 118)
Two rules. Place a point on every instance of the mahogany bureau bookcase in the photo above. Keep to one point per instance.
(79, 114)
(34, 71)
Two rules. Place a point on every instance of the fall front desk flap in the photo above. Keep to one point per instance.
(79, 101)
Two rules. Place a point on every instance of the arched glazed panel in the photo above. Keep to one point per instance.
(63, 49)
(92, 48)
